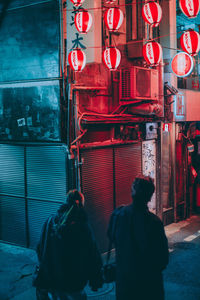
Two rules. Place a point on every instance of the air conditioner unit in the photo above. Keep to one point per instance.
(138, 83)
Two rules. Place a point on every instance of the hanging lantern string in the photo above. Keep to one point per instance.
(139, 41)
(105, 7)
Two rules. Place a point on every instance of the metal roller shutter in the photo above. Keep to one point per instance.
(13, 222)
(12, 201)
(97, 186)
(38, 212)
(127, 166)
(46, 185)
(12, 170)
(46, 173)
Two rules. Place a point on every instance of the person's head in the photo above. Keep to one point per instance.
(142, 190)
(75, 198)
(70, 211)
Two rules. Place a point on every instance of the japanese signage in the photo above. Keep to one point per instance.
(90, 42)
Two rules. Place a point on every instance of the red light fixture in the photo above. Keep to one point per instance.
(190, 8)
(111, 58)
(152, 13)
(77, 2)
(77, 59)
(190, 42)
(182, 64)
(152, 52)
(83, 21)
(113, 18)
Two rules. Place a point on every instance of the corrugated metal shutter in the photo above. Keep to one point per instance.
(46, 173)
(12, 225)
(12, 204)
(127, 166)
(46, 185)
(38, 212)
(97, 186)
(12, 170)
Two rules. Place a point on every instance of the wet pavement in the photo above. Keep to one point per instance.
(17, 265)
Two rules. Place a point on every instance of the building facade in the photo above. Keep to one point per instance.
(94, 130)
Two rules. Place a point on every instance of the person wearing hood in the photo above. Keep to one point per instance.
(67, 253)
(141, 246)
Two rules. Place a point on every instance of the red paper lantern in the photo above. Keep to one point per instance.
(152, 52)
(83, 21)
(110, 1)
(113, 18)
(190, 7)
(77, 2)
(77, 59)
(190, 42)
(182, 64)
(111, 58)
(152, 13)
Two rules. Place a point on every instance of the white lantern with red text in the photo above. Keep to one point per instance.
(152, 13)
(182, 64)
(111, 58)
(77, 2)
(113, 18)
(110, 1)
(190, 7)
(190, 42)
(152, 52)
(77, 59)
(83, 21)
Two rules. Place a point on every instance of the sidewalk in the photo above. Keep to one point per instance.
(17, 265)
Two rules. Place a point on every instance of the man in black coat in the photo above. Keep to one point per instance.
(141, 246)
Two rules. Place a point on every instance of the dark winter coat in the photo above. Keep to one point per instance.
(71, 257)
(141, 253)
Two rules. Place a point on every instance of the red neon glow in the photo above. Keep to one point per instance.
(190, 42)
(77, 59)
(83, 21)
(113, 18)
(111, 58)
(190, 7)
(152, 52)
(152, 13)
(182, 64)
(77, 2)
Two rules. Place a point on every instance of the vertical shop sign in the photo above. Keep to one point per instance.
(149, 165)
(90, 42)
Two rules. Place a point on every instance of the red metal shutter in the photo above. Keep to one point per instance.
(127, 166)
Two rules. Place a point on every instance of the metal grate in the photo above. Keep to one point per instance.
(126, 84)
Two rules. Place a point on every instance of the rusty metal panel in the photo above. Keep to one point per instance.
(128, 165)
(97, 186)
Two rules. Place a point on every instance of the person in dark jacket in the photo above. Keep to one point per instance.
(141, 246)
(68, 254)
